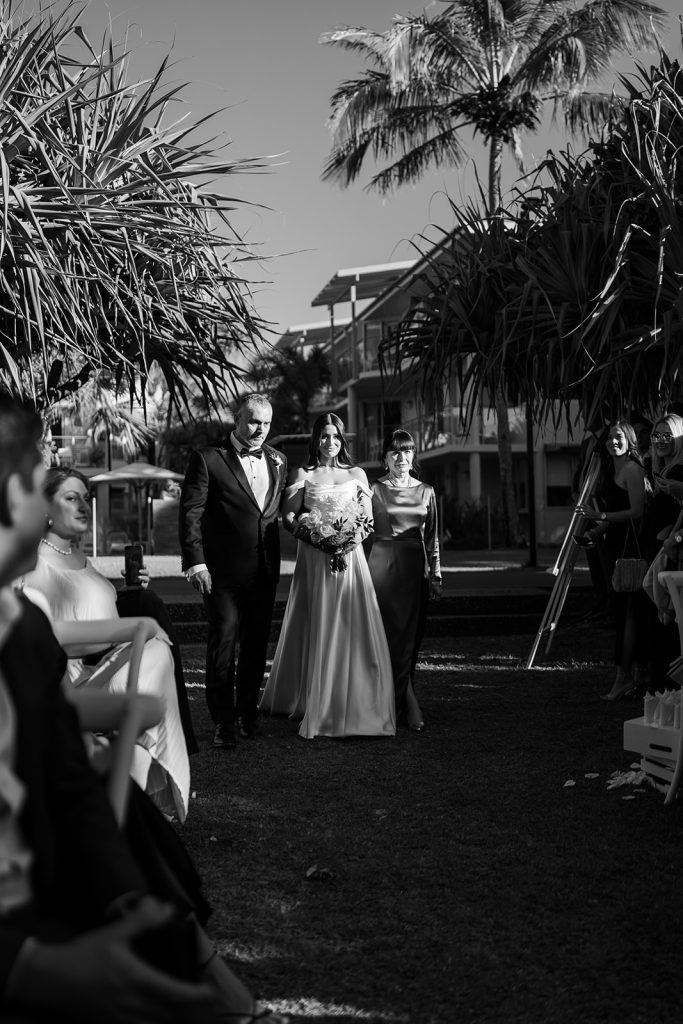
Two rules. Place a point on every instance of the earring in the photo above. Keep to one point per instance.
(49, 522)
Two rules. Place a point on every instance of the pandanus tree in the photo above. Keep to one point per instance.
(292, 378)
(587, 281)
(486, 68)
(115, 255)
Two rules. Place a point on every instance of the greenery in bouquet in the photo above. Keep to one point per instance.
(335, 529)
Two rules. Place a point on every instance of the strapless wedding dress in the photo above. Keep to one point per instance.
(332, 667)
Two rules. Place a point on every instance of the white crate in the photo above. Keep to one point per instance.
(659, 772)
(658, 742)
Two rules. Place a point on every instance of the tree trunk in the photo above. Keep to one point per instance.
(495, 173)
(510, 514)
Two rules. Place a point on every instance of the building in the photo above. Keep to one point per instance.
(462, 465)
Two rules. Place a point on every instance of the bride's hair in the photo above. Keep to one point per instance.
(328, 419)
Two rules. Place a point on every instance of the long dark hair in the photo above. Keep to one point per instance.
(328, 419)
(55, 477)
(398, 440)
(631, 440)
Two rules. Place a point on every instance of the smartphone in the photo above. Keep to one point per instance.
(132, 554)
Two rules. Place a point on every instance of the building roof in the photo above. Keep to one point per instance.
(312, 334)
(369, 282)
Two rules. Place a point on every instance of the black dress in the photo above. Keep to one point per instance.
(662, 640)
(404, 556)
(623, 540)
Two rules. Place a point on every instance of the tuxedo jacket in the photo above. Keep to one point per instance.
(221, 523)
(81, 861)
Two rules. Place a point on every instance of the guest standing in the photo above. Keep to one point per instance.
(661, 516)
(404, 564)
(230, 544)
(621, 504)
(332, 664)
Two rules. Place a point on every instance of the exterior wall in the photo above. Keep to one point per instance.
(462, 466)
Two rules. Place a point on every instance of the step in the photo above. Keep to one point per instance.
(443, 625)
(455, 615)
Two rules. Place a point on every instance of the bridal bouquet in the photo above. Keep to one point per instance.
(334, 526)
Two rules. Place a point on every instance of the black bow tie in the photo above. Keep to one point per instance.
(256, 453)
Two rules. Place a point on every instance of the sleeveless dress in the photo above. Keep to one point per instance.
(160, 764)
(332, 663)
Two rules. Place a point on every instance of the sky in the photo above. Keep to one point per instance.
(260, 64)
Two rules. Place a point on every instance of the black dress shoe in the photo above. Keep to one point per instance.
(247, 728)
(225, 737)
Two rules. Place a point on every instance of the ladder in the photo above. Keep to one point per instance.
(564, 565)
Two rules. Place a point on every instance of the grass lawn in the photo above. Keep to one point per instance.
(449, 876)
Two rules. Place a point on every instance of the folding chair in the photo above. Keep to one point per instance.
(127, 714)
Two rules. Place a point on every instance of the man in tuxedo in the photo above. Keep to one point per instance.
(230, 542)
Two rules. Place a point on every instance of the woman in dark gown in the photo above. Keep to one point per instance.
(621, 504)
(404, 564)
(660, 518)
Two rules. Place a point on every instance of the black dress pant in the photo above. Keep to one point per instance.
(239, 619)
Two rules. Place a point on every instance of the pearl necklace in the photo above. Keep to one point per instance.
(54, 547)
(393, 482)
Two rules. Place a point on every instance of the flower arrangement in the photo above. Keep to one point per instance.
(334, 526)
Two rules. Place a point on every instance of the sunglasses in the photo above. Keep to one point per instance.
(665, 437)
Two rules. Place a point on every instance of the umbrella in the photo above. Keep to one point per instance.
(138, 473)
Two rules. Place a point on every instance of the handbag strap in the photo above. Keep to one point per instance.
(635, 537)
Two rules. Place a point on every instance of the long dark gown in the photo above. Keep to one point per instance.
(623, 540)
(403, 558)
(663, 640)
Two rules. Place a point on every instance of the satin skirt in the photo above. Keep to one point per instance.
(397, 569)
(160, 765)
(332, 667)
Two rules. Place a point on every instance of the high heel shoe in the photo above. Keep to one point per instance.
(619, 690)
(416, 726)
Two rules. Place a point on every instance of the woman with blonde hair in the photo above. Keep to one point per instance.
(660, 530)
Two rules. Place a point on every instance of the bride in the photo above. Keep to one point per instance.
(332, 662)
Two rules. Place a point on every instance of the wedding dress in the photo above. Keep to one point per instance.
(332, 663)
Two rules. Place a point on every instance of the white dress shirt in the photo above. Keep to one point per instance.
(258, 478)
(255, 470)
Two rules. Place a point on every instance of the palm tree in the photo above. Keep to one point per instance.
(113, 259)
(580, 297)
(292, 378)
(487, 67)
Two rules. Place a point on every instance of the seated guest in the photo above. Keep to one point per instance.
(75, 906)
(65, 871)
(74, 590)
